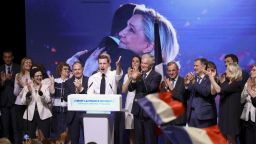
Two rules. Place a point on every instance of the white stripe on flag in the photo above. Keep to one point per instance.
(198, 136)
(159, 68)
(162, 109)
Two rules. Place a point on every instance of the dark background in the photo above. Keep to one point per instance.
(13, 34)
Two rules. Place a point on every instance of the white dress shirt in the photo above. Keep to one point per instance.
(57, 101)
(8, 67)
(200, 78)
(111, 78)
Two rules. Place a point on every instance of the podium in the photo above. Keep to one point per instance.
(98, 122)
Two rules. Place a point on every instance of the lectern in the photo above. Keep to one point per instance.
(98, 123)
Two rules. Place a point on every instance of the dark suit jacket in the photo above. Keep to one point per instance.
(178, 93)
(144, 87)
(202, 101)
(253, 99)
(7, 98)
(69, 88)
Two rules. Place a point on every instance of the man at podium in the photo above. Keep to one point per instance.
(105, 81)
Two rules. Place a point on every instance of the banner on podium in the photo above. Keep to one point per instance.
(94, 102)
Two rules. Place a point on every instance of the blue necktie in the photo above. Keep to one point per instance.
(144, 76)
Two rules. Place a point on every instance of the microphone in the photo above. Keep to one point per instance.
(90, 85)
(28, 96)
(40, 93)
(111, 88)
(61, 93)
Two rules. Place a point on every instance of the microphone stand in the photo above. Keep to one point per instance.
(26, 135)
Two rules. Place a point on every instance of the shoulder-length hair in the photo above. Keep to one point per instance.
(235, 72)
(168, 38)
(22, 71)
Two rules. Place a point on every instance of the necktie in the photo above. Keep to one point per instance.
(144, 76)
(102, 84)
(172, 81)
(199, 79)
(8, 69)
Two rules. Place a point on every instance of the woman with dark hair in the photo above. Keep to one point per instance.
(129, 124)
(248, 98)
(36, 95)
(59, 108)
(212, 73)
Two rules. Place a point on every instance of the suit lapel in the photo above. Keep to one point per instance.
(148, 78)
(177, 83)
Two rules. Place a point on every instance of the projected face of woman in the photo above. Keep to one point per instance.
(132, 36)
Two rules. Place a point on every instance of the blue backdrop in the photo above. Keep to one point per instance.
(56, 29)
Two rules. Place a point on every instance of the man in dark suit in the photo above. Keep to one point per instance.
(7, 98)
(76, 85)
(144, 83)
(201, 108)
(175, 84)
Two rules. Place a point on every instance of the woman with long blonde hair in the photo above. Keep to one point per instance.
(231, 87)
(21, 81)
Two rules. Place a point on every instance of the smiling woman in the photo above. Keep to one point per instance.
(36, 95)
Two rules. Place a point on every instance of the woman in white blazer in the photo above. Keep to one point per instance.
(21, 80)
(36, 96)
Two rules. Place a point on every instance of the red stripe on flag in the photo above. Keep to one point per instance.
(176, 106)
(215, 135)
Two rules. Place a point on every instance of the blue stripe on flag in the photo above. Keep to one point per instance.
(150, 110)
(177, 135)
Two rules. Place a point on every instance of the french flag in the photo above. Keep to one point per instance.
(162, 109)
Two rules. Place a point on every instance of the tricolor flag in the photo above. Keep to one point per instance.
(191, 135)
(162, 109)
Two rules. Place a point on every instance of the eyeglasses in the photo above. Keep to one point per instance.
(38, 75)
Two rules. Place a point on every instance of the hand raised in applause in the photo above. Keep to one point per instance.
(78, 85)
(251, 89)
(189, 78)
(168, 83)
(222, 77)
(118, 66)
(3, 77)
(136, 75)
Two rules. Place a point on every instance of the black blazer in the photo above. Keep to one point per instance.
(144, 87)
(253, 101)
(69, 88)
(7, 98)
(178, 93)
(202, 101)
